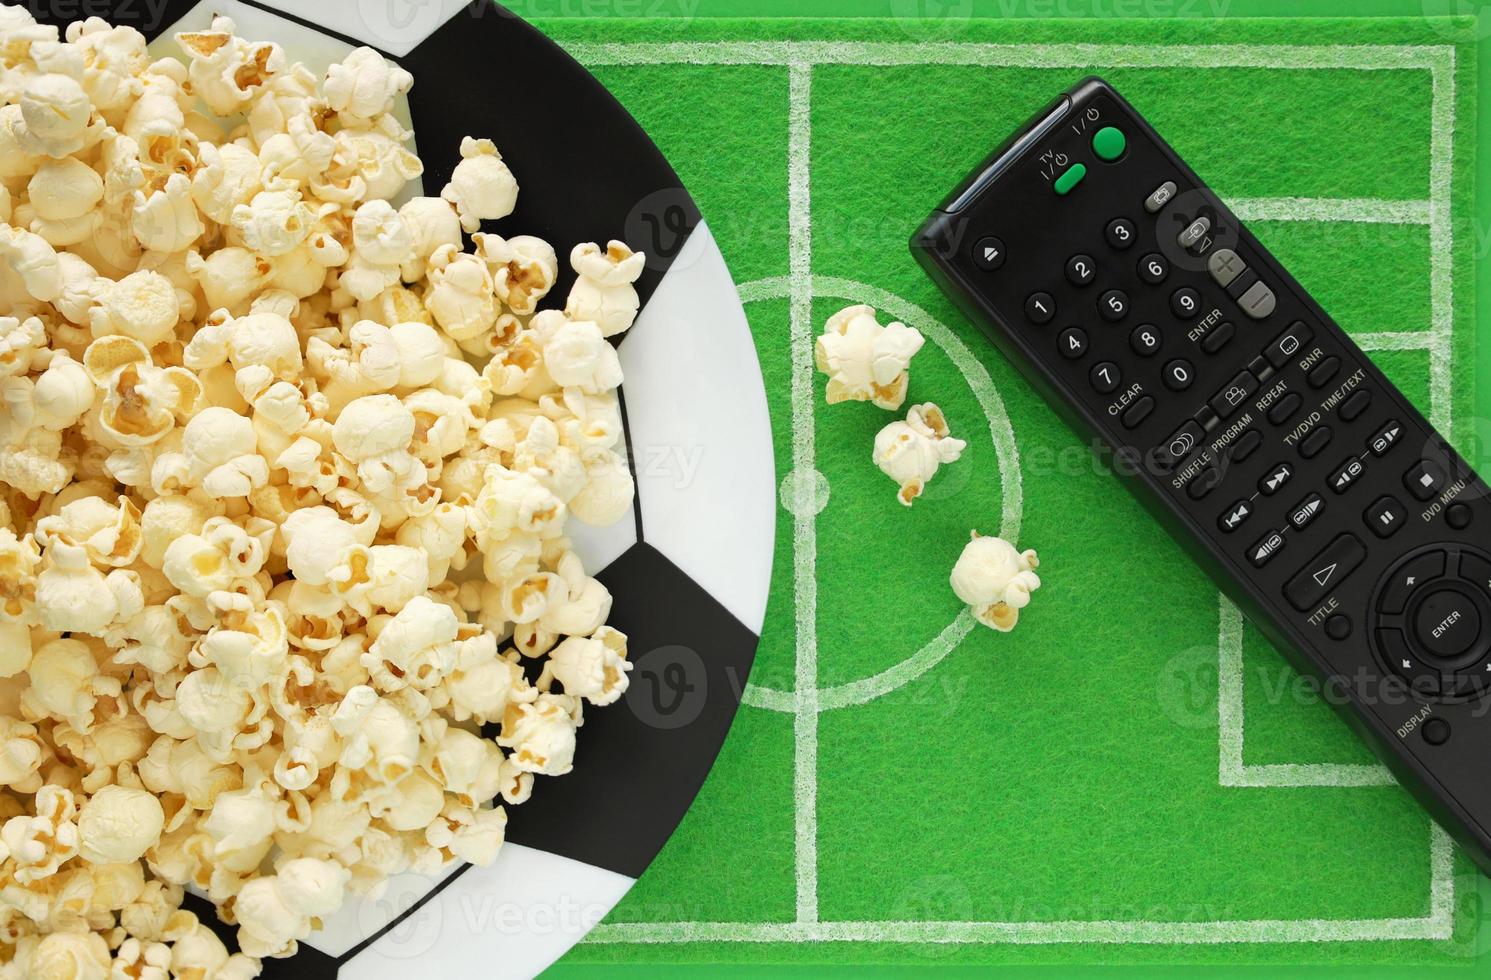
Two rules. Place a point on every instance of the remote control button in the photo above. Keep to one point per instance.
(1436, 731)
(1220, 336)
(1386, 438)
(1108, 143)
(1305, 512)
(1225, 265)
(1206, 418)
(1153, 268)
(1258, 301)
(1408, 579)
(1138, 412)
(1261, 369)
(1105, 378)
(988, 253)
(1159, 197)
(1289, 343)
(1070, 177)
(1316, 442)
(1146, 340)
(1073, 343)
(1266, 548)
(1338, 628)
(1040, 308)
(1179, 446)
(1422, 678)
(1234, 394)
(1235, 516)
(1284, 409)
(1356, 406)
(1425, 480)
(1120, 233)
(1237, 287)
(1321, 374)
(1080, 270)
(1447, 623)
(1204, 483)
(1185, 302)
(1245, 446)
(1275, 479)
(1346, 476)
(1113, 305)
(1325, 571)
(1386, 517)
(1179, 375)
(1194, 233)
(1458, 516)
(1476, 570)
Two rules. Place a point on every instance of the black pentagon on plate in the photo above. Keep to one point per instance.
(640, 762)
(587, 171)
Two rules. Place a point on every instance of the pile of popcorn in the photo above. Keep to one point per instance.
(284, 478)
(868, 361)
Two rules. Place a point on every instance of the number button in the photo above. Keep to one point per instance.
(1153, 268)
(1113, 305)
(1040, 308)
(1179, 375)
(1106, 378)
(1073, 344)
(1120, 233)
(1080, 270)
(1185, 302)
(1146, 340)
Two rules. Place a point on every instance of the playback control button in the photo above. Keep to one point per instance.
(1179, 446)
(1325, 571)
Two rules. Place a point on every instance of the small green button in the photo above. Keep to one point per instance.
(1108, 143)
(1070, 177)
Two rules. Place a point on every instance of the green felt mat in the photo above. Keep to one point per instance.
(1065, 793)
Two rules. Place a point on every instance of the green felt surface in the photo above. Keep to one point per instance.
(1073, 771)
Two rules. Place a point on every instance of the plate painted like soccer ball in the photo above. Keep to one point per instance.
(688, 567)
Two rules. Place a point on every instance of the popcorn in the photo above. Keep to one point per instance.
(481, 187)
(117, 824)
(254, 419)
(604, 293)
(363, 86)
(864, 360)
(142, 305)
(995, 580)
(911, 452)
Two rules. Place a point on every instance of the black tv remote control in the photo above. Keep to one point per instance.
(1247, 421)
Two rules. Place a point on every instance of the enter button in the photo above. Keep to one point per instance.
(1447, 623)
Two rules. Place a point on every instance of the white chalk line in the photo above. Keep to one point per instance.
(805, 517)
(1365, 210)
(1007, 454)
(800, 58)
(1324, 56)
(1232, 770)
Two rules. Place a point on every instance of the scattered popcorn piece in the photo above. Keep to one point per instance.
(286, 478)
(864, 360)
(995, 580)
(910, 452)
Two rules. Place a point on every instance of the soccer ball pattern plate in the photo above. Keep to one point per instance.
(689, 567)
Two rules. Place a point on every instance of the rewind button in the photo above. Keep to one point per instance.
(1267, 547)
(1235, 516)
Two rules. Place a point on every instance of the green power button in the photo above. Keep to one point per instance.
(1108, 143)
(1069, 178)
